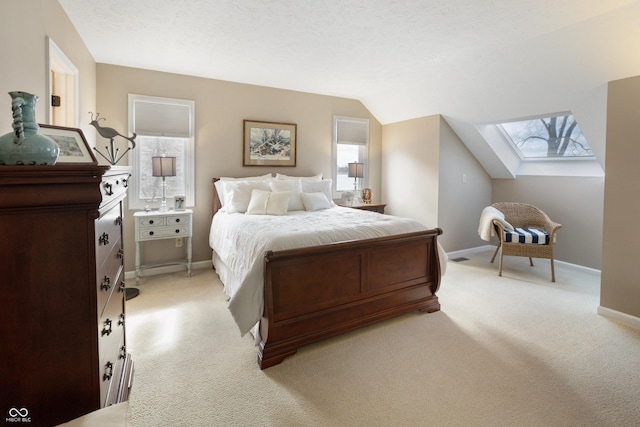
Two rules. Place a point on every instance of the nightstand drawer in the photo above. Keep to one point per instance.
(151, 221)
(180, 219)
(162, 232)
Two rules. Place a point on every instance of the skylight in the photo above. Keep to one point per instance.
(555, 137)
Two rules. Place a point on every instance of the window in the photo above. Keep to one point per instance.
(547, 138)
(164, 127)
(351, 144)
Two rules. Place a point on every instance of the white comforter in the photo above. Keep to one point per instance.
(239, 242)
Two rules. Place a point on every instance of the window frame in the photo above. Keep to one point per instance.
(135, 202)
(524, 158)
(363, 155)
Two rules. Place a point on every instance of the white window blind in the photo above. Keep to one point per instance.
(352, 132)
(162, 118)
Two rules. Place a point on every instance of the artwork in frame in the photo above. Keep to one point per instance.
(268, 144)
(179, 203)
(72, 143)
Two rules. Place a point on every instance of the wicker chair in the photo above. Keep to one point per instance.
(522, 215)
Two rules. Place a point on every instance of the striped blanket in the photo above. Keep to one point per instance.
(527, 235)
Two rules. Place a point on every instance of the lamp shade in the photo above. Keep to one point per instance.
(356, 170)
(163, 166)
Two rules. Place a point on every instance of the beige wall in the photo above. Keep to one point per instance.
(423, 164)
(220, 109)
(574, 202)
(620, 283)
(410, 166)
(460, 201)
(24, 26)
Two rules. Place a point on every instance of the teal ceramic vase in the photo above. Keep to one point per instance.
(24, 146)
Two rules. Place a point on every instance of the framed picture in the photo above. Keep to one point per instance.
(72, 143)
(268, 144)
(178, 203)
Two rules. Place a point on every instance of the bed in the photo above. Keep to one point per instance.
(300, 275)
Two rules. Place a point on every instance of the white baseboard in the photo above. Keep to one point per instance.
(456, 254)
(492, 248)
(627, 319)
(152, 271)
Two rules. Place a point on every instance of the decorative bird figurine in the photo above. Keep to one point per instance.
(110, 134)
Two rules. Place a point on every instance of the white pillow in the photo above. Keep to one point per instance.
(219, 184)
(220, 189)
(268, 203)
(313, 187)
(237, 194)
(294, 187)
(249, 178)
(301, 178)
(315, 201)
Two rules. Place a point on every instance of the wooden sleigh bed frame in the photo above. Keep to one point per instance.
(317, 292)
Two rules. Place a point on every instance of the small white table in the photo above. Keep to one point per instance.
(156, 225)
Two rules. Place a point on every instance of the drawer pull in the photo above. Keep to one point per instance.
(108, 371)
(104, 239)
(177, 231)
(123, 352)
(125, 182)
(107, 324)
(121, 288)
(177, 219)
(151, 222)
(120, 253)
(109, 188)
(119, 220)
(106, 283)
(121, 319)
(151, 233)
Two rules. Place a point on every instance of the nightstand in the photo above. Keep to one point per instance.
(156, 225)
(374, 207)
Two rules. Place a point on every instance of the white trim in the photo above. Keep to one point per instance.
(134, 202)
(469, 251)
(58, 62)
(625, 318)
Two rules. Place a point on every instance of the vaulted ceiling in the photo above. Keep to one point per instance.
(473, 61)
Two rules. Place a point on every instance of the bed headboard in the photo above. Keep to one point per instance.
(216, 199)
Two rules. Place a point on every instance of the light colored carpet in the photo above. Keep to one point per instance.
(511, 351)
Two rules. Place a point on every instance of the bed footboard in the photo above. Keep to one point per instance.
(318, 292)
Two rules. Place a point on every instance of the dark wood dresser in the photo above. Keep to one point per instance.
(62, 323)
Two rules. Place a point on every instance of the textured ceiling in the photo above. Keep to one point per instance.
(470, 60)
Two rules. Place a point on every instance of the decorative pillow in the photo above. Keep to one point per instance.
(292, 186)
(313, 187)
(301, 178)
(237, 194)
(268, 203)
(315, 201)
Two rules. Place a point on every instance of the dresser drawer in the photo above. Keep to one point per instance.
(110, 376)
(108, 232)
(110, 280)
(111, 328)
(113, 186)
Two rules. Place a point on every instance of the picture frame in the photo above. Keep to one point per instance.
(179, 203)
(269, 143)
(72, 143)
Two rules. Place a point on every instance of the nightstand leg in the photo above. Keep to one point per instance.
(137, 263)
(189, 255)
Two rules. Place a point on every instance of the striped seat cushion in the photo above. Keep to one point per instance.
(527, 235)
